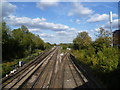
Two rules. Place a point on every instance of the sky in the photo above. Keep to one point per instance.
(60, 22)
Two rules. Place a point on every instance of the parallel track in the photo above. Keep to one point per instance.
(41, 73)
(53, 71)
(24, 71)
(73, 78)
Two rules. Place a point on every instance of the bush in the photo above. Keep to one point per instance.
(99, 55)
(108, 59)
(7, 66)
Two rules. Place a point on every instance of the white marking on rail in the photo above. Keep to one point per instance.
(28, 75)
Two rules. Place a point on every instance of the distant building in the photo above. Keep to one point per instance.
(116, 38)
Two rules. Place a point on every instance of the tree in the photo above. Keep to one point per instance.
(24, 29)
(108, 59)
(39, 43)
(8, 43)
(19, 43)
(103, 33)
(47, 45)
(82, 40)
(103, 39)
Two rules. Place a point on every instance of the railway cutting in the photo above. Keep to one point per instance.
(52, 69)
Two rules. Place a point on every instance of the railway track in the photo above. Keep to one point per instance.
(53, 71)
(56, 73)
(41, 74)
(9, 83)
(73, 78)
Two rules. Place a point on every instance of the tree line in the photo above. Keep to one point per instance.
(19, 42)
(100, 55)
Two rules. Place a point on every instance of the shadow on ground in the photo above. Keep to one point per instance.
(86, 87)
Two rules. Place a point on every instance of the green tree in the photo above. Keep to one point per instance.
(24, 29)
(28, 40)
(19, 48)
(82, 40)
(108, 59)
(103, 39)
(7, 42)
(47, 45)
(39, 43)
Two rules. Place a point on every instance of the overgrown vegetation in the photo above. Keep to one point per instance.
(22, 45)
(8, 66)
(19, 44)
(99, 55)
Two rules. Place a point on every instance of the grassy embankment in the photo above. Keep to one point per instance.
(8, 66)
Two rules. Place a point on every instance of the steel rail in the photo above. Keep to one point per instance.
(36, 62)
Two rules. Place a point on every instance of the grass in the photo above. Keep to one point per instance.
(8, 66)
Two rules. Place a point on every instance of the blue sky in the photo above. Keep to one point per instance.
(60, 22)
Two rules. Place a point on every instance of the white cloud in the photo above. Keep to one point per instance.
(114, 24)
(44, 35)
(80, 10)
(107, 26)
(61, 33)
(34, 30)
(82, 31)
(98, 17)
(66, 36)
(7, 8)
(97, 29)
(45, 4)
(64, 0)
(37, 23)
(115, 15)
(77, 21)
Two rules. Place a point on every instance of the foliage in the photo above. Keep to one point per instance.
(19, 43)
(82, 40)
(98, 54)
(47, 45)
(65, 46)
(103, 33)
(7, 41)
(103, 40)
(8, 66)
(108, 59)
